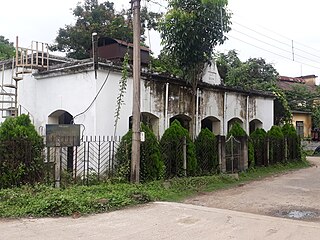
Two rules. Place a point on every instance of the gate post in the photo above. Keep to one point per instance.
(222, 153)
(57, 167)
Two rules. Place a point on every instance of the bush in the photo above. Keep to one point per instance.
(258, 142)
(294, 149)
(21, 160)
(206, 151)
(276, 145)
(172, 149)
(151, 162)
(237, 131)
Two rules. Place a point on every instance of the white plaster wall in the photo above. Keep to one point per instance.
(107, 102)
(264, 112)
(71, 92)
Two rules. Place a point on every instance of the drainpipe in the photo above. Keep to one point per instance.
(247, 124)
(197, 112)
(166, 120)
(224, 114)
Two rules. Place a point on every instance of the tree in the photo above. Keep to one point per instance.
(190, 30)
(253, 74)
(101, 18)
(7, 49)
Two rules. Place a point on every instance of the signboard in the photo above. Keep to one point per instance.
(62, 135)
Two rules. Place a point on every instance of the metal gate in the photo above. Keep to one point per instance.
(94, 159)
(233, 155)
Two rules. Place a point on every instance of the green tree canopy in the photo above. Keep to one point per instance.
(102, 18)
(190, 30)
(7, 49)
(253, 74)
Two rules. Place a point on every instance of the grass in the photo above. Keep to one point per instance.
(42, 200)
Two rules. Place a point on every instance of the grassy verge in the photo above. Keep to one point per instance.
(41, 200)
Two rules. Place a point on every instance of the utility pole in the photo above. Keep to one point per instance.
(135, 158)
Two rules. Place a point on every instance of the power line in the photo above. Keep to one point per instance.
(287, 58)
(272, 52)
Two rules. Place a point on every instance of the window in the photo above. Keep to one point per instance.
(300, 128)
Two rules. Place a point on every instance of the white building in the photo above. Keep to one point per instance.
(68, 92)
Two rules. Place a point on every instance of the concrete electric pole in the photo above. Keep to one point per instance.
(135, 158)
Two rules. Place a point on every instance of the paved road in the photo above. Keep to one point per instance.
(186, 221)
(162, 221)
(274, 196)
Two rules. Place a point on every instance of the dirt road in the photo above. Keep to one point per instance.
(292, 195)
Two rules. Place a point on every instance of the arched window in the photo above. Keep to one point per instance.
(212, 123)
(254, 124)
(183, 119)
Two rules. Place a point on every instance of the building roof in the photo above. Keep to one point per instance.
(288, 83)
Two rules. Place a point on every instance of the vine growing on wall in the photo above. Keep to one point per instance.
(123, 82)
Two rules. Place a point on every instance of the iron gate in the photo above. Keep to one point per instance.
(93, 159)
(233, 155)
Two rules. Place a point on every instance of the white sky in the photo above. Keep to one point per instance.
(286, 20)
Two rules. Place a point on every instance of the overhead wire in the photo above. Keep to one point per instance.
(272, 45)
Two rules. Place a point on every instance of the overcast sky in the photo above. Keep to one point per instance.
(260, 29)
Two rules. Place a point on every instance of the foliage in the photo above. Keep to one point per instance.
(257, 140)
(294, 148)
(316, 117)
(288, 130)
(42, 201)
(282, 111)
(237, 131)
(151, 162)
(190, 30)
(165, 64)
(172, 149)
(300, 98)
(276, 145)
(101, 18)
(21, 148)
(207, 151)
(7, 49)
(254, 74)
(122, 90)
(227, 62)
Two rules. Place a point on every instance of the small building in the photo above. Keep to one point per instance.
(301, 119)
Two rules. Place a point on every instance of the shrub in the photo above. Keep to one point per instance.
(276, 145)
(294, 149)
(258, 142)
(21, 148)
(151, 162)
(206, 151)
(172, 149)
(237, 131)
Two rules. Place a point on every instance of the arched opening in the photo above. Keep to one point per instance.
(232, 121)
(254, 124)
(212, 123)
(60, 117)
(183, 119)
(63, 117)
(150, 120)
